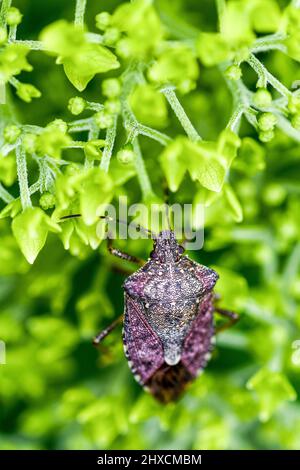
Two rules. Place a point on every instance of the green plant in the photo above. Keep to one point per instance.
(206, 98)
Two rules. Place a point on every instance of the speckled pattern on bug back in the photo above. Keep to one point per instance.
(168, 325)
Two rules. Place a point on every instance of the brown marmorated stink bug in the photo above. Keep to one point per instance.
(168, 321)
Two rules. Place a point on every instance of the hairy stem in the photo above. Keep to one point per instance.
(142, 174)
(240, 94)
(80, 125)
(3, 12)
(266, 77)
(94, 106)
(269, 42)
(5, 195)
(23, 177)
(180, 113)
(79, 12)
(109, 144)
(33, 45)
(163, 139)
(134, 128)
(93, 134)
(235, 119)
(12, 33)
(285, 125)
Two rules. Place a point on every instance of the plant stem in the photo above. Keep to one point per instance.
(6, 149)
(286, 126)
(265, 75)
(23, 177)
(94, 106)
(142, 174)
(14, 82)
(239, 92)
(93, 134)
(269, 42)
(5, 195)
(3, 12)
(79, 12)
(35, 187)
(80, 125)
(33, 45)
(180, 113)
(12, 33)
(134, 128)
(109, 144)
(234, 121)
(163, 139)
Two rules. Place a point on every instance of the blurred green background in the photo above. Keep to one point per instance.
(57, 391)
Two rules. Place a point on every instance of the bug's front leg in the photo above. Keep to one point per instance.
(231, 316)
(120, 254)
(100, 336)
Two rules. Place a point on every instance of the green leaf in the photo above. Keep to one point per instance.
(62, 38)
(291, 25)
(67, 229)
(51, 142)
(119, 173)
(96, 191)
(91, 235)
(272, 389)
(81, 59)
(142, 25)
(149, 106)
(26, 92)
(251, 157)
(30, 229)
(206, 162)
(212, 49)
(265, 16)
(83, 66)
(79, 80)
(209, 172)
(176, 65)
(13, 60)
(233, 203)
(11, 209)
(228, 145)
(236, 27)
(173, 164)
(204, 165)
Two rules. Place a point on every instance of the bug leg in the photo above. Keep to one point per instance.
(100, 336)
(120, 254)
(231, 316)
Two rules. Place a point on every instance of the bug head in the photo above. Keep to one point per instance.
(166, 248)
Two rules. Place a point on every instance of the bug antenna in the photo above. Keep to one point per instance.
(110, 219)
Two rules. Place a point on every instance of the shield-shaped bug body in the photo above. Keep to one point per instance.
(168, 329)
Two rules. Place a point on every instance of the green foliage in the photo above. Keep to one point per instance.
(207, 162)
(30, 229)
(81, 59)
(13, 60)
(149, 91)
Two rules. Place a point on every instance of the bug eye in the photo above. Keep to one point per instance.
(180, 249)
(153, 254)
